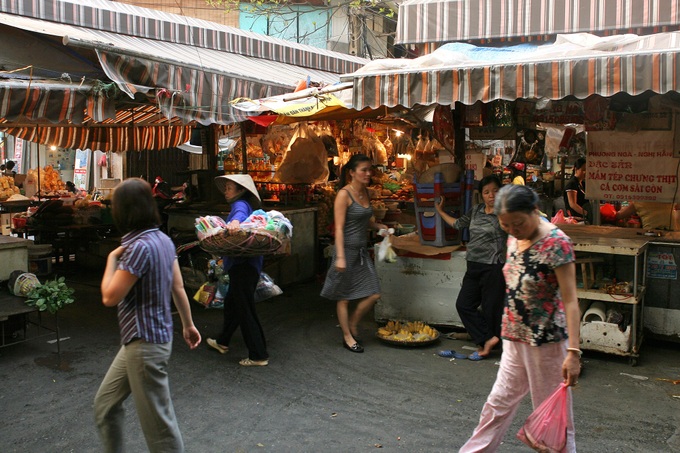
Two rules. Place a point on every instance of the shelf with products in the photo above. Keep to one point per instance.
(612, 310)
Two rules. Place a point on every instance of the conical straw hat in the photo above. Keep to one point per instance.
(243, 180)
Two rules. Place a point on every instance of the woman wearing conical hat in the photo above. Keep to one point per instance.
(244, 273)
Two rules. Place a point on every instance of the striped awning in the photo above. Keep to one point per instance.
(193, 83)
(128, 20)
(440, 21)
(73, 116)
(607, 66)
(117, 139)
(182, 70)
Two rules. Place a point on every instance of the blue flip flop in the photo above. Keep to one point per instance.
(475, 357)
(451, 354)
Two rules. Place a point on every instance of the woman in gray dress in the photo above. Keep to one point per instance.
(352, 275)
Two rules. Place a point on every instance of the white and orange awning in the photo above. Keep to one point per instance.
(578, 65)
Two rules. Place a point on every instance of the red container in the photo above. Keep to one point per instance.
(19, 222)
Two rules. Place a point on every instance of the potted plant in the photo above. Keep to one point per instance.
(51, 295)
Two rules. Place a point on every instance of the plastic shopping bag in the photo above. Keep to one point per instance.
(545, 430)
(266, 288)
(385, 251)
(559, 217)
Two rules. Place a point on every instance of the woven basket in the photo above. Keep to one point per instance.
(243, 243)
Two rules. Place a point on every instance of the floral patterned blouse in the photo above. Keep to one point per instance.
(534, 311)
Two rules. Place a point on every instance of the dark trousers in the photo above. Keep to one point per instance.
(239, 311)
(483, 286)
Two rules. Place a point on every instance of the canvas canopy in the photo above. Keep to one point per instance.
(185, 70)
(441, 21)
(578, 65)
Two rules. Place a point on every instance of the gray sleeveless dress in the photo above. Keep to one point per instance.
(359, 279)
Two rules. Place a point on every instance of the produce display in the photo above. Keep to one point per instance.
(50, 181)
(7, 187)
(383, 185)
(325, 198)
(414, 332)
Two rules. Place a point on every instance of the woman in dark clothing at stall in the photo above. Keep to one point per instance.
(244, 273)
(575, 192)
(483, 283)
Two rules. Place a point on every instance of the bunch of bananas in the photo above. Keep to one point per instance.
(410, 331)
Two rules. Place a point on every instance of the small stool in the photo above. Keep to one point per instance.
(588, 270)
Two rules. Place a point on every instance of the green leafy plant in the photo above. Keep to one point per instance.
(51, 295)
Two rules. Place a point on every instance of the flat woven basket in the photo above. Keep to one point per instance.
(243, 243)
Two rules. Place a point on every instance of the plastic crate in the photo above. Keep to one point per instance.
(431, 227)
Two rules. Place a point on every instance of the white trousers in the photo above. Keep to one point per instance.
(524, 369)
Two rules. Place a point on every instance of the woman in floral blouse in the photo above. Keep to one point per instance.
(540, 330)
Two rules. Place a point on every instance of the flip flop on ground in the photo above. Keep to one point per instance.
(451, 354)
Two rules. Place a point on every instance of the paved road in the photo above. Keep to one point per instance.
(314, 396)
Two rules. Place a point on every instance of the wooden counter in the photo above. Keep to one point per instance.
(612, 240)
(613, 236)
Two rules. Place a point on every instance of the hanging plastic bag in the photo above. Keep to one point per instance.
(385, 251)
(545, 430)
(305, 161)
(266, 288)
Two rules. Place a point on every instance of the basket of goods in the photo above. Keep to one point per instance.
(379, 210)
(407, 334)
(7, 188)
(51, 184)
(262, 233)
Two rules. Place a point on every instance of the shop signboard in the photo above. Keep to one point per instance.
(662, 265)
(631, 166)
(81, 168)
(528, 113)
(476, 161)
(492, 133)
(18, 153)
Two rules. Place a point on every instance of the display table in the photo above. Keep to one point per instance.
(15, 308)
(592, 245)
(13, 255)
(66, 240)
(421, 288)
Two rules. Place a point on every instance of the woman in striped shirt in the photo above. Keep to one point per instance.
(141, 278)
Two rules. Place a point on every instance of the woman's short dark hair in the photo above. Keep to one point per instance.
(515, 198)
(489, 179)
(133, 206)
(352, 164)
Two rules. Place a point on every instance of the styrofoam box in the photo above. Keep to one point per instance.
(605, 337)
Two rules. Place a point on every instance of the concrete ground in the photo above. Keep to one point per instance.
(314, 396)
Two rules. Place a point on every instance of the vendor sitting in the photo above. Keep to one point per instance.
(575, 202)
(652, 215)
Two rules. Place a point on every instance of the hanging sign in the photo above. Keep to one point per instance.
(662, 265)
(631, 166)
(18, 153)
(476, 162)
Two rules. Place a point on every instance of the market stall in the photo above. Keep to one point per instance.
(532, 110)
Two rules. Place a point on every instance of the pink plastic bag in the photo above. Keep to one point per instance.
(559, 217)
(546, 428)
